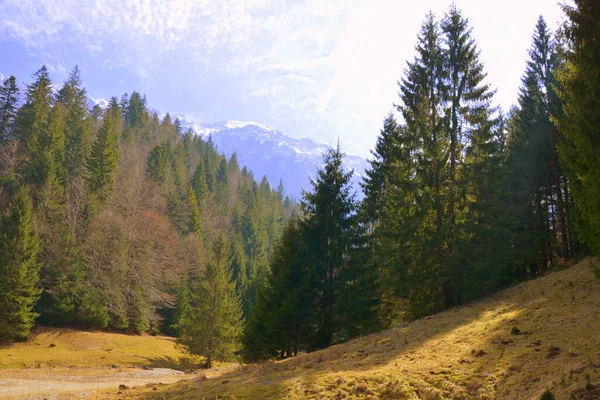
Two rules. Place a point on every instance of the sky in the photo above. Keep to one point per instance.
(322, 69)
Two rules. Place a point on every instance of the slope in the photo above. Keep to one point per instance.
(542, 334)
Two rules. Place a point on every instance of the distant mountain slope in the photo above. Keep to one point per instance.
(268, 152)
(515, 344)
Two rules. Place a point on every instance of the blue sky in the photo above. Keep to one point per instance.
(309, 68)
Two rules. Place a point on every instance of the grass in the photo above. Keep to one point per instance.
(539, 336)
(65, 348)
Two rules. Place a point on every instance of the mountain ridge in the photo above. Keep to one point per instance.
(267, 151)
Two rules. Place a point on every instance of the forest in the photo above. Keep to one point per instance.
(116, 219)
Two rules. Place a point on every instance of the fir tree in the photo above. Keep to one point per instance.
(19, 269)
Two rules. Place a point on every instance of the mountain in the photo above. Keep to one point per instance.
(268, 152)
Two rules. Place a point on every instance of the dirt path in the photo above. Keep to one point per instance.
(58, 384)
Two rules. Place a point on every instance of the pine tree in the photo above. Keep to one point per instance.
(9, 96)
(580, 125)
(78, 132)
(19, 269)
(104, 157)
(212, 326)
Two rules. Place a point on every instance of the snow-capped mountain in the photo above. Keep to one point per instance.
(268, 152)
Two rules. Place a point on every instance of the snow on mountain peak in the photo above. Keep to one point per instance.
(205, 129)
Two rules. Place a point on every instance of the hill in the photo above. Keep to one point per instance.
(515, 344)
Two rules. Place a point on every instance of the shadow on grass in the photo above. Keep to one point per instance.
(183, 363)
(473, 346)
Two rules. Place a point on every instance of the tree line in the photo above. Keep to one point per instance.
(110, 216)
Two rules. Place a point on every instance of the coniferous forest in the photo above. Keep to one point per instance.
(117, 219)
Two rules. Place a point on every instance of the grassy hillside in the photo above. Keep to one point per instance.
(541, 334)
(57, 348)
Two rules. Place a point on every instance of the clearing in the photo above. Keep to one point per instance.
(542, 334)
(63, 363)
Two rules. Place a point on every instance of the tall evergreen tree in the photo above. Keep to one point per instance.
(437, 190)
(78, 121)
(198, 182)
(9, 97)
(19, 269)
(540, 197)
(212, 325)
(104, 157)
(32, 127)
(281, 320)
(580, 125)
(380, 167)
(328, 236)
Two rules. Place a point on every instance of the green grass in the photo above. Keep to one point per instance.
(65, 348)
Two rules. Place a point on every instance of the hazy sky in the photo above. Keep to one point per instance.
(309, 68)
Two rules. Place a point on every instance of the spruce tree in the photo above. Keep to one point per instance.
(580, 125)
(198, 182)
(540, 197)
(328, 236)
(19, 269)
(280, 321)
(9, 96)
(78, 121)
(104, 157)
(373, 184)
(412, 230)
(31, 127)
(212, 325)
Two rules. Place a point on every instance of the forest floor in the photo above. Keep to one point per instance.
(540, 335)
(515, 344)
(64, 363)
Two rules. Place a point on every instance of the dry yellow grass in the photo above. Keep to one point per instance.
(65, 348)
(469, 352)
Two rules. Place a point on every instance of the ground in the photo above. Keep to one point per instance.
(63, 363)
(516, 344)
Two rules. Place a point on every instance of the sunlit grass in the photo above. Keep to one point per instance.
(542, 334)
(65, 348)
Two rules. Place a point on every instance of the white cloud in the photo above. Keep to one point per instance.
(316, 67)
